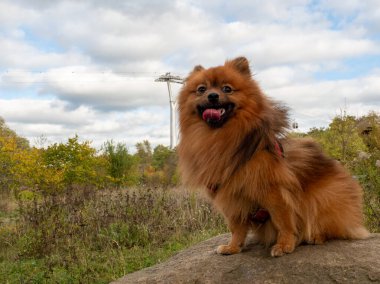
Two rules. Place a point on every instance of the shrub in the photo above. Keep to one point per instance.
(76, 231)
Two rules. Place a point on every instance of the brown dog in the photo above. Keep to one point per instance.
(233, 145)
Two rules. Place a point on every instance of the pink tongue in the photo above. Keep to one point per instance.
(211, 113)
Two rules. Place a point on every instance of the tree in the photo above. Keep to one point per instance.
(367, 169)
(10, 145)
(369, 128)
(144, 158)
(345, 136)
(120, 162)
(341, 139)
(76, 160)
(160, 156)
(6, 132)
(164, 161)
(144, 152)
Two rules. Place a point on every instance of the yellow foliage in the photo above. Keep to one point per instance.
(25, 169)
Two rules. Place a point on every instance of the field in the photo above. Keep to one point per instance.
(95, 236)
(87, 235)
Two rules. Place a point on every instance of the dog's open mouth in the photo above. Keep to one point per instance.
(215, 114)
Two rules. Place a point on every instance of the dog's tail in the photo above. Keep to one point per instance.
(359, 233)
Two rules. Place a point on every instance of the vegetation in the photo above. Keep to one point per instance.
(72, 214)
(356, 143)
(82, 235)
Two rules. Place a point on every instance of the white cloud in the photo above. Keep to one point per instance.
(11, 14)
(329, 94)
(187, 34)
(88, 86)
(355, 13)
(88, 67)
(282, 45)
(103, 90)
(32, 111)
(316, 103)
(33, 118)
(17, 53)
(284, 75)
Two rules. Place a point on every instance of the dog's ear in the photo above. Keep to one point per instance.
(241, 64)
(198, 68)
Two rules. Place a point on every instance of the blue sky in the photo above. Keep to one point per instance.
(88, 67)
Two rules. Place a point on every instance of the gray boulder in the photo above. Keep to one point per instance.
(337, 261)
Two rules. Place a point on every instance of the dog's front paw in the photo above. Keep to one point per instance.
(281, 249)
(227, 249)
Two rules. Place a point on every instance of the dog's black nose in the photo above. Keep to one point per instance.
(213, 97)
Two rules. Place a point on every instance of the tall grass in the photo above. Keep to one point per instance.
(83, 235)
(88, 236)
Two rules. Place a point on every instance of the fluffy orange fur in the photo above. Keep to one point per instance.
(309, 196)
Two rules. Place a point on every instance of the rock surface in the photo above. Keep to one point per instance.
(333, 262)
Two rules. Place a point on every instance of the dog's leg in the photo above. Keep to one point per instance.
(318, 239)
(283, 219)
(239, 233)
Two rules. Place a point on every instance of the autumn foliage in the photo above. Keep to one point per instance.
(70, 213)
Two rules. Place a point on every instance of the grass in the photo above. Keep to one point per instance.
(83, 235)
(88, 236)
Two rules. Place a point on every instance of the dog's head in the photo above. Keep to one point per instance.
(217, 95)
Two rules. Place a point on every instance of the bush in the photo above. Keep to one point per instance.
(76, 161)
(369, 177)
(93, 235)
(121, 166)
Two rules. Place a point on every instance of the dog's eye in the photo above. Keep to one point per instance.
(201, 89)
(226, 89)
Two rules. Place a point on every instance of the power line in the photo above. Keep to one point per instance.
(35, 77)
(168, 78)
(10, 72)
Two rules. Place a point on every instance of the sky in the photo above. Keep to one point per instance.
(88, 67)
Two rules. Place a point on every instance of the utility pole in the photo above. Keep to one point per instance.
(171, 79)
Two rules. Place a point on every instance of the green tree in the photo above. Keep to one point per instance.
(160, 157)
(368, 169)
(76, 160)
(164, 162)
(120, 163)
(144, 152)
(369, 128)
(341, 139)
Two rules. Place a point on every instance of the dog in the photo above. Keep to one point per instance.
(234, 145)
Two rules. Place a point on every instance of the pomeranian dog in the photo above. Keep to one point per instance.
(233, 144)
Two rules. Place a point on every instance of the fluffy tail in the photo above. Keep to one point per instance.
(359, 233)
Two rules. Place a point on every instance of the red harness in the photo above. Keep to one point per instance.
(279, 149)
(260, 216)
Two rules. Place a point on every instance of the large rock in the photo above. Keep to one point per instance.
(333, 262)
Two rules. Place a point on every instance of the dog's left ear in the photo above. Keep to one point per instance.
(198, 68)
(241, 64)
